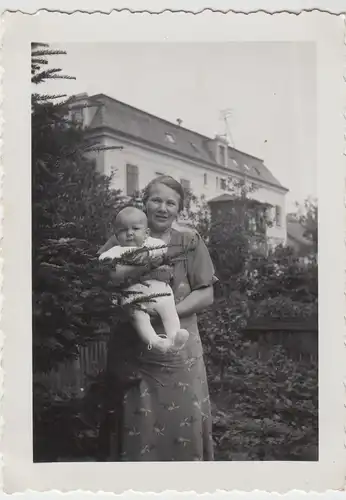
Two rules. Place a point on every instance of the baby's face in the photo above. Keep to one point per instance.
(131, 229)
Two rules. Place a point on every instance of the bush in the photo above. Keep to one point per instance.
(268, 410)
(264, 407)
(72, 301)
(283, 308)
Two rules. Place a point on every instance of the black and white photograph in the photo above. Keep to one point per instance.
(174, 283)
(207, 348)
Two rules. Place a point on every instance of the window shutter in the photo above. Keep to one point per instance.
(132, 184)
(185, 183)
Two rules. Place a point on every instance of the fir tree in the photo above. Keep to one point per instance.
(74, 300)
(72, 210)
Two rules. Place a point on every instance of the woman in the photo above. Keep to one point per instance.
(165, 405)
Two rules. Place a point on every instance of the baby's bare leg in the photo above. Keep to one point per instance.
(144, 328)
(165, 307)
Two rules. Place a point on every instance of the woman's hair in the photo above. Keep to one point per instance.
(168, 181)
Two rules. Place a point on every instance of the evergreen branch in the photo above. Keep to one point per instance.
(35, 45)
(37, 61)
(46, 97)
(47, 52)
(138, 302)
(50, 74)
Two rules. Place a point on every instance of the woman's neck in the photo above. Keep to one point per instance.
(162, 235)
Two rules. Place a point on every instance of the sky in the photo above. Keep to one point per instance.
(269, 87)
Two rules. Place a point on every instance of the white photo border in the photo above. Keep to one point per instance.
(20, 473)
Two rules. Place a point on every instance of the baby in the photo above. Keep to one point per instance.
(131, 231)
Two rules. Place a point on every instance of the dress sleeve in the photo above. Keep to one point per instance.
(200, 268)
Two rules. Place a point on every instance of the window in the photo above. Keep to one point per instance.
(223, 184)
(194, 146)
(268, 215)
(217, 183)
(257, 171)
(251, 222)
(278, 215)
(205, 177)
(235, 162)
(185, 183)
(131, 179)
(222, 154)
(246, 167)
(170, 138)
(77, 115)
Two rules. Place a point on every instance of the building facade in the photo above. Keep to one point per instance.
(297, 239)
(150, 146)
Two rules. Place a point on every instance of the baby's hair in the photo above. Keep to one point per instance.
(128, 206)
(122, 206)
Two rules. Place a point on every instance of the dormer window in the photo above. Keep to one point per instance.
(170, 138)
(77, 115)
(222, 152)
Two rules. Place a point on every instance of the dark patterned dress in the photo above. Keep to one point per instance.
(165, 410)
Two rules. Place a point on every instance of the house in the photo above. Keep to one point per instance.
(297, 239)
(245, 212)
(152, 146)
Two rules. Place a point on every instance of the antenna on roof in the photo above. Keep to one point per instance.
(225, 114)
(179, 121)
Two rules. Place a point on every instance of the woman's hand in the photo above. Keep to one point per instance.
(195, 302)
(161, 273)
(156, 261)
(141, 258)
(154, 317)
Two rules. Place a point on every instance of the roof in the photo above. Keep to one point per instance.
(135, 123)
(229, 197)
(222, 197)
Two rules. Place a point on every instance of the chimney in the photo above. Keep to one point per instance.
(221, 150)
(82, 95)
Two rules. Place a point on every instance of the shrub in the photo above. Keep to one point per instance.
(268, 409)
(264, 407)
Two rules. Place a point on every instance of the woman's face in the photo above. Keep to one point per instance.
(162, 207)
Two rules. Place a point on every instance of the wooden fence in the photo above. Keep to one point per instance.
(299, 338)
(72, 376)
